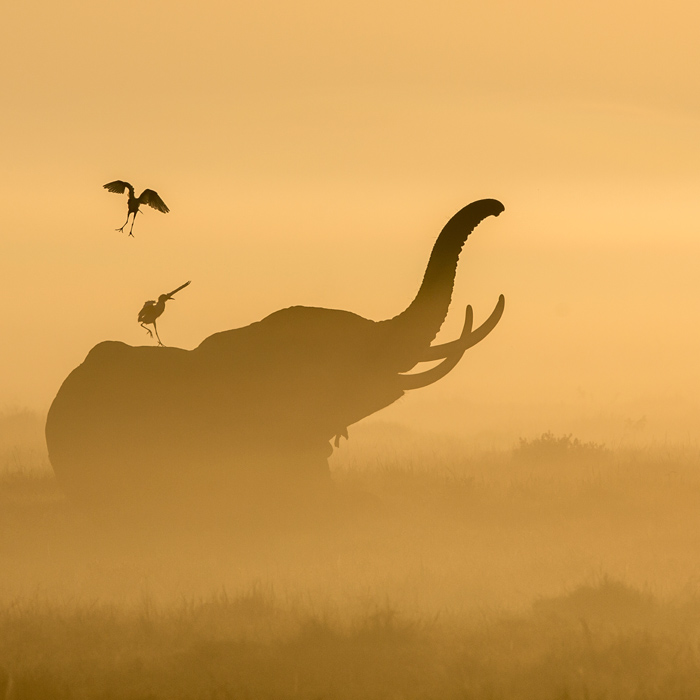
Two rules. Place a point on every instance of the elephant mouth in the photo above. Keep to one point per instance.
(451, 353)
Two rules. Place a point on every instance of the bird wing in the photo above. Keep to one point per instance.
(182, 286)
(143, 314)
(118, 187)
(151, 198)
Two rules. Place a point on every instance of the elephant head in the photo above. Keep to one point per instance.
(252, 409)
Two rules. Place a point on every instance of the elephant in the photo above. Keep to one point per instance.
(253, 412)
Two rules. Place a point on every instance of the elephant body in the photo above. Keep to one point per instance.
(251, 410)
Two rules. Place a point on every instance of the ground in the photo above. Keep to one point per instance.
(555, 569)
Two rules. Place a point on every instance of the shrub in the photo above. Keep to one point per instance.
(548, 447)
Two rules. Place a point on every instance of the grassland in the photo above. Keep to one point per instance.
(556, 569)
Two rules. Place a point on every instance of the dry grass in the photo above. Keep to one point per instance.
(559, 569)
(606, 640)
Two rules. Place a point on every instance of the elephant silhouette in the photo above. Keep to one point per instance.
(251, 412)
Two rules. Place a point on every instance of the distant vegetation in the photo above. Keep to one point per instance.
(549, 447)
(22, 444)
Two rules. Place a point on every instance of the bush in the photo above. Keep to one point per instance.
(548, 447)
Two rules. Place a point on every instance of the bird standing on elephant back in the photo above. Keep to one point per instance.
(249, 414)
(152, 310)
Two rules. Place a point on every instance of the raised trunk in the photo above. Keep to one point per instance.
(417, 326)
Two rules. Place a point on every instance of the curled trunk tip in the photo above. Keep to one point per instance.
(419, 324)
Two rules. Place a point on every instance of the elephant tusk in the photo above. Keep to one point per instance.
(440, 352)
(452, 352)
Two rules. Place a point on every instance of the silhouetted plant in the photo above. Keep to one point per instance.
(549, 447)
(609, 601)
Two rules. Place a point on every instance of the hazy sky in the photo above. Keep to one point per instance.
(310, 153)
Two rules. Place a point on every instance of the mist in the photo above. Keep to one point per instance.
(522, 527)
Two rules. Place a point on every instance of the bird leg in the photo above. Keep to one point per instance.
(157, 336)
(132, 224)
(125, 223)
(148, 330)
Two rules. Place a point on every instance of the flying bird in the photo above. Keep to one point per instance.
(149, 197)
(151, 310)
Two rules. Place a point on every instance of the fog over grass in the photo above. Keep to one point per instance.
(558, 567)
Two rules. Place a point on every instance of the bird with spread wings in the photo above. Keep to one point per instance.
(149, 197)
(151, 310)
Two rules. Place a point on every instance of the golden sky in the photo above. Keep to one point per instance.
(310, 152)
